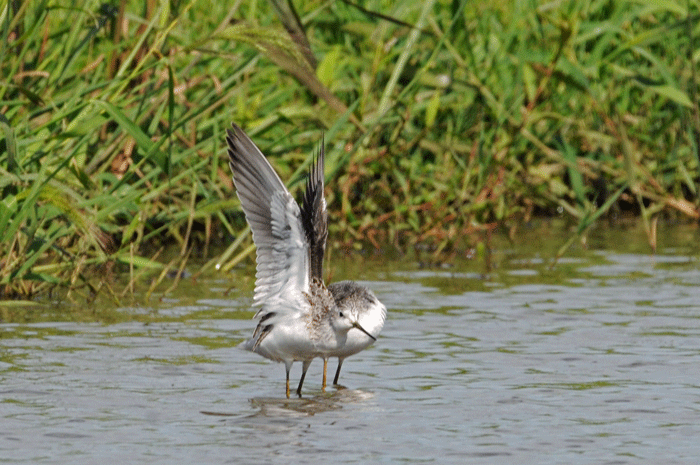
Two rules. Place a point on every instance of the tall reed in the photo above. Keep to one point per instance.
(442, 119)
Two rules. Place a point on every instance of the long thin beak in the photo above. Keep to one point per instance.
(357, 325)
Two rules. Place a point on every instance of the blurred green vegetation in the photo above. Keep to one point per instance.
(442, 119)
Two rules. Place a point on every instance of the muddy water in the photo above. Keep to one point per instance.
(596, 360)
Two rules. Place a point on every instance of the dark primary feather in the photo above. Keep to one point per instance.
(314, 216)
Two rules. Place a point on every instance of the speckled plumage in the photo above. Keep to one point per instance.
(322, 303)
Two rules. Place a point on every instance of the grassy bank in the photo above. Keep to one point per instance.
(441, 119)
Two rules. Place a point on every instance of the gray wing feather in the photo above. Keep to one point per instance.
(275, 220)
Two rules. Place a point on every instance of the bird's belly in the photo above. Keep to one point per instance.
(287, 343)
(351, 346)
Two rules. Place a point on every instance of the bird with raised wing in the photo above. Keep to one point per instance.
(299, 317)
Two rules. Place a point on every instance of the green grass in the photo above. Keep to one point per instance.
(441, 118)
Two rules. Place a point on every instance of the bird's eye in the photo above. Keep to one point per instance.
(340, 314)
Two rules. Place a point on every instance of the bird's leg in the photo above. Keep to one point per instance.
(305, 366)
(288, 367)
(325, 367)
(337, 372)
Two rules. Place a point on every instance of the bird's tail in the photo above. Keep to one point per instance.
(248, 344)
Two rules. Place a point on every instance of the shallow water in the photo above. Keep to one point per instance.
(592, 361)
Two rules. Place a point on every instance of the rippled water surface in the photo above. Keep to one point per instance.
(500, 361)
